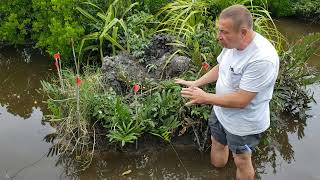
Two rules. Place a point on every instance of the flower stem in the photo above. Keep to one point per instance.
(77, 87)
(199, 73)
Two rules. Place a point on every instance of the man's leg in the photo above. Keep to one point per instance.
(219, 153)
(245, 169)
(242, 147)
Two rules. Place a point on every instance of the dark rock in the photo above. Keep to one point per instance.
(177, 66)
(122, 71)
(159, 46)
(157, 58)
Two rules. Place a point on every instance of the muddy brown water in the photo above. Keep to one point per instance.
(294, 156)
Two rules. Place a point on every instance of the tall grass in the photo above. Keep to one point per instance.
(107, 25)
(264, 24)
(186, 20)
(72, 114)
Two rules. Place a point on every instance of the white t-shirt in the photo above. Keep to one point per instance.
(253, 69)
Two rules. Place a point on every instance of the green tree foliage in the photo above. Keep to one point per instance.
(308, 9)
(280, 7)
(55, 23)
(47, 24)
(141, 28)
(15, 21)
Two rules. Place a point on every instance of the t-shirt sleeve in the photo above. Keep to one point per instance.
(257, 76)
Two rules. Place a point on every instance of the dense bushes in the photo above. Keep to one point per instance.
(153, 6)
(280, 8)
(50, 25)
(15, 21)
(304, 9)
(46, 24)
(308, 10)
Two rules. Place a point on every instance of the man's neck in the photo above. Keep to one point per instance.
(247, 40)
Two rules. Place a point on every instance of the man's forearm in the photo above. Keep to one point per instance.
(209, 77)
(239, 99)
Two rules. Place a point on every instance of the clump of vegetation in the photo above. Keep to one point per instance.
(140, 31)
(88, 116)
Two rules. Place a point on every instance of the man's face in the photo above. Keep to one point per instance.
(227, 35)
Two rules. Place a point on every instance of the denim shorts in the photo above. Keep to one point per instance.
(237, 144)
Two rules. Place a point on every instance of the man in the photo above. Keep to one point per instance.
(246, 73)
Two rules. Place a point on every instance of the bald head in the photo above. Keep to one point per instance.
(239, 15)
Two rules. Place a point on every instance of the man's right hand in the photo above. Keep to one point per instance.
(186, 83)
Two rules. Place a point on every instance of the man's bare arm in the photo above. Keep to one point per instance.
(238, 99)
(210, 76)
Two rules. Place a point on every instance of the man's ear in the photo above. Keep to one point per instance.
(244, 32)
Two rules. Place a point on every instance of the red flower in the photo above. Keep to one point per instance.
(136, 88)
(56, 56)
(205, 66)
(57, 65)
(78, 81)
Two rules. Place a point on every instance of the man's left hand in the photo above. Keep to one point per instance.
(195, 94)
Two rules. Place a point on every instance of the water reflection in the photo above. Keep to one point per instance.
(163, 163)
(280, 149)
(20, 78)
(294, 29)
(23, 151)
(156, 163)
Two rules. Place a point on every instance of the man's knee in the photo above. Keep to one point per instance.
(219, 154)
(242, 161)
